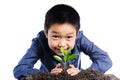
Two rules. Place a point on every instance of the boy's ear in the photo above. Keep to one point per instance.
(45, 34)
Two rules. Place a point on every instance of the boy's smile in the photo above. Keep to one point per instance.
(61, 35)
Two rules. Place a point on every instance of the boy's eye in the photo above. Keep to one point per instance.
(69, 37)
(55, 36)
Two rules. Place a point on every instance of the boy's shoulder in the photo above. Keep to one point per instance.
(41, 34)
(40, 38)
(80, 34)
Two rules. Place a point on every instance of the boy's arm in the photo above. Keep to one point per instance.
(26, 64)
(101, 60)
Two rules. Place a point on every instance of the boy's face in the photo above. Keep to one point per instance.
(61, 35)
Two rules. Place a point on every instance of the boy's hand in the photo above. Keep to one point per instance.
(72, 70)
(57, 69)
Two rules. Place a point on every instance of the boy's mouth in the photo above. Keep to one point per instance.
(58, 50)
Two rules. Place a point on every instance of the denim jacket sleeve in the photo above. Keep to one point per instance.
(26, 64)
(100, 59)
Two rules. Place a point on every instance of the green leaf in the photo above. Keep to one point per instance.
(68, 51)
(71, 57)
(58, 58)
(62, 50)
(65, 57)
(65, 52)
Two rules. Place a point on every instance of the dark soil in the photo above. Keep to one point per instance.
(83, 75)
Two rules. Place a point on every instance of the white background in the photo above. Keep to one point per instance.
(21, 20)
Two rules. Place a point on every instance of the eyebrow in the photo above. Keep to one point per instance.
(58, 33)
(54, 32)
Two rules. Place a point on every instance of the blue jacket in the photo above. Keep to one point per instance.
(39, 50)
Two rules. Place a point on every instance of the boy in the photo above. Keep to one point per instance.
(61, 29)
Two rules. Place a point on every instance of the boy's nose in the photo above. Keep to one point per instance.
(62, 43)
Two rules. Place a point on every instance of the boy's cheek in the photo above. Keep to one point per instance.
(52, 44)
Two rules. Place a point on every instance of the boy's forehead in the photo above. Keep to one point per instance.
(63, 33)
(62, 29)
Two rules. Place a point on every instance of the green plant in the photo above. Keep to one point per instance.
(66, 56)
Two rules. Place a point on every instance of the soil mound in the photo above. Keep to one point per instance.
(83, 75)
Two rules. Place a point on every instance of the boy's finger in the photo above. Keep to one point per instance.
(71, 66)
(58, 65)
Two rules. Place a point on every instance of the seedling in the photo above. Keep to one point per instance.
(66, 56)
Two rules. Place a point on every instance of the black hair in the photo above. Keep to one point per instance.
(62, 13)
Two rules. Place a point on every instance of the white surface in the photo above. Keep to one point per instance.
(21, 20)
